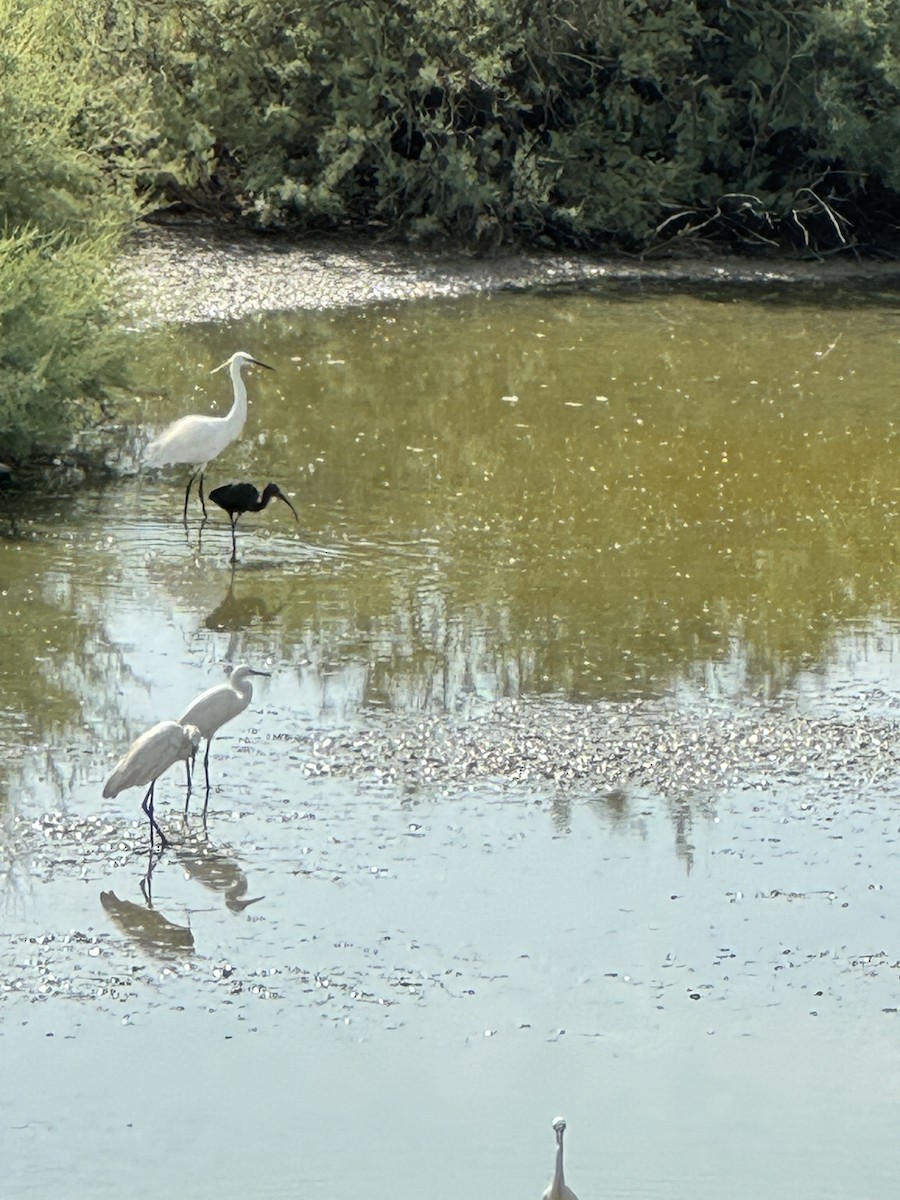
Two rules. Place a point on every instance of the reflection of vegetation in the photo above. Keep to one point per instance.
(724, 494)
(574, 494)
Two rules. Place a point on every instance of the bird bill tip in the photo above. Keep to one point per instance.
(241, 354)
(283, 497)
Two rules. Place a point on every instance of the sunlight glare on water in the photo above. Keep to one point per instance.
(573, 787)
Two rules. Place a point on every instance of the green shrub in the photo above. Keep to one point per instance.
(575, 122)
(585, 122)
(61, 348)
(62, 216)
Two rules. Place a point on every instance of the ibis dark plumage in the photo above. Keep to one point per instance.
(239, 498)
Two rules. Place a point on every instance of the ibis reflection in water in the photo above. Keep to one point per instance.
(147, 758)
(239, 498)
(214, 707)
(196, 439)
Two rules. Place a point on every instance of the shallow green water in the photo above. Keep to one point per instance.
(686, 501)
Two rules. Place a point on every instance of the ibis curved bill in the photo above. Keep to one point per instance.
(239, 498)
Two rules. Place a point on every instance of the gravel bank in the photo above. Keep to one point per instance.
(189, 274)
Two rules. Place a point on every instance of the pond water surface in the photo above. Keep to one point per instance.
(575, 787)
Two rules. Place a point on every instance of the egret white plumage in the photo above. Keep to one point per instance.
(558, 1189)
(147, 758)
(239, 498)
(197, 439)
(217, 705)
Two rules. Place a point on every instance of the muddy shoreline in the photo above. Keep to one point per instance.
(190, 274)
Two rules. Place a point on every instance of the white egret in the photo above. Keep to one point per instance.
(217, 705)
(239, 498)
(196, 439)
(558, 1189)
(152, 753)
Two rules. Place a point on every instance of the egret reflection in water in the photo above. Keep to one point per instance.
(217, 869)
(146, 927)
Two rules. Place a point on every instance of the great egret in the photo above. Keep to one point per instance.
(238, 498)
(152, 753)
(217, 705)
(558, 1189)
(198, 440)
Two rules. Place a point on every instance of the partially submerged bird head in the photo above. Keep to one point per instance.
(194, 736)
(241, 359)
(559, 1127)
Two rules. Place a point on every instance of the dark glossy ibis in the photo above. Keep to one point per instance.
(239, 498)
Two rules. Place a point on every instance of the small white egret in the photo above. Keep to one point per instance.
(558, 1189)
(218, 704)
(152, 753)
(196, 439)
(239, 498)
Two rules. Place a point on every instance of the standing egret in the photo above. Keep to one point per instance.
(238, 498)
(558, 1189)
(218, 704)
(198, 440)
(152, 753)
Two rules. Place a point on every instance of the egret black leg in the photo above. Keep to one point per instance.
(206, 770)
(202, 501)
(147, 806)
(187, 799)
(146, 885)
(187, 494)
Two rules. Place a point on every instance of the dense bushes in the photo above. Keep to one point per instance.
(582, 122)
(586, 123)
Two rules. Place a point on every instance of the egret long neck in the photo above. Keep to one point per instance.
(238, 412)
(558, 1180)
